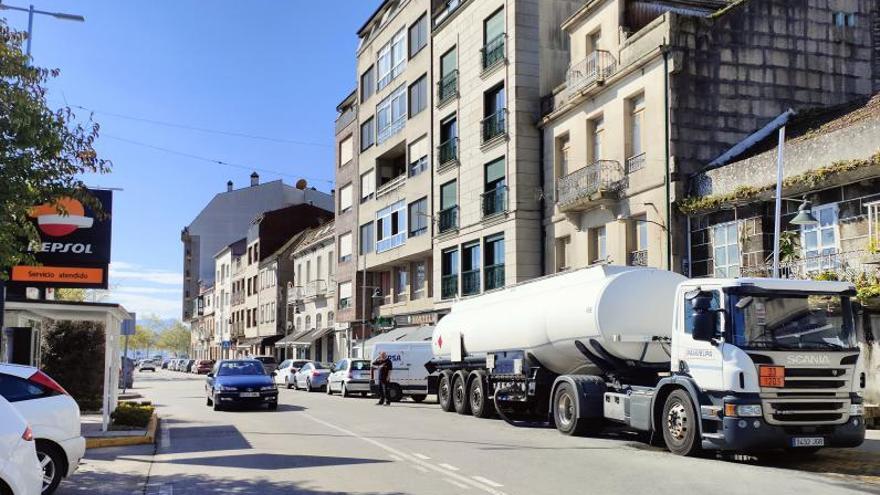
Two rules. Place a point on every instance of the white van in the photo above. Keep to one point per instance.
(408, 375)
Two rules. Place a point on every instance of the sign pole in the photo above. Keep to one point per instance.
(125, 364)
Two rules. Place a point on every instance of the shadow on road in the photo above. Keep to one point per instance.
(271, 462)
(190, 438)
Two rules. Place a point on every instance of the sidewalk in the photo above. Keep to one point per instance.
(112, 470)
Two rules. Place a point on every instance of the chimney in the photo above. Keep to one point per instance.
(255, 179)
(229, 186)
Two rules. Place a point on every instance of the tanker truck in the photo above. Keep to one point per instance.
(738, 365)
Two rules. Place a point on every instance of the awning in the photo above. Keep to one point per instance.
(303, 338)
(260, 341)
(403, 334)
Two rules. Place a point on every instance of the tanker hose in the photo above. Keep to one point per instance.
(512, 422)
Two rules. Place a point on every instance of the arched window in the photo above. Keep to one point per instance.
(299, 323)
(308, 322)
(318, 322)
(330, 319)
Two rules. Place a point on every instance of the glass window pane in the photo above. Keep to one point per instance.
(720, 272)
(731, 233)
(826, 216)
(733, 254)
(494, 26)
(810, 240)
(495, 171)
(720, 236)
(720, 256)
(828, 237)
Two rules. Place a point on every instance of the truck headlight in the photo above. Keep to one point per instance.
(743, 410)
(856, 409)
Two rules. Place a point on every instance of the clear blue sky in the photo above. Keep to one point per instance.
(267, 68)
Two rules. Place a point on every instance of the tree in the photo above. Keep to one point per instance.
(175, 339)
(43, 152)
(144, 339)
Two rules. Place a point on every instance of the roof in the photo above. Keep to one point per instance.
(238, 248)
(375, 14)
(316, 235)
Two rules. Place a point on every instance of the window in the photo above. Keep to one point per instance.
(419, 279)
(391, 227)
(368, 186)
(366, 239)
(308, 271)
(493, 39)
(15, 389)
(345, 295)
(596, 127)
(368, 84)
(563, 148)
(418, 35)
(346, 151)
(563, 261)
(598, 245)
(635, 146)
(449, 273)
(345, 198)
(401, 282)
(689, 312)
(391, 114)
(448, 149)
(418, 157)
(331, 265)
(345, 247)
(392, 59)
(495, 195)
(418, 96)
(447, 86)
(494, 113)
(330, 319)
(299, 273)
(418, 217)
(309, 322)
(319, 321)
(725, 241)
(820, 241)
(318, 268)
(368, 136)
(494, 262)
(470, 269)
(843, 19)
(639, 241)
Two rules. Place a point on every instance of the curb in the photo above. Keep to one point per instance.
(149, 438)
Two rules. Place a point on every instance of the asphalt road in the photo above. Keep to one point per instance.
(315, 444)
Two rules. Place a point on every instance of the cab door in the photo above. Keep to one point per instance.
(698, 359)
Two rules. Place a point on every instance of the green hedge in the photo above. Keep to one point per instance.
(73, 355)
(132, 414)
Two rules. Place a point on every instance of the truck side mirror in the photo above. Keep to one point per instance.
(705, 319)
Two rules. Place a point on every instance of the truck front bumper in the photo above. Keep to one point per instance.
(755, 434)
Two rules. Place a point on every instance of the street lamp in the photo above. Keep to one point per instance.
(804, 215)
(31, 11)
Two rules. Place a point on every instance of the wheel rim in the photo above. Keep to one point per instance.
(677, 423)
(459, 392)
(444, 390)
(565, 409)
(477, 397)
(48, 466)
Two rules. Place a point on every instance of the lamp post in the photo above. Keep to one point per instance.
(31, 11)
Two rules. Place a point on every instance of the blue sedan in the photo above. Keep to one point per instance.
(240, 382)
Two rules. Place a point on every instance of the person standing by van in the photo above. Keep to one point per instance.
(383, 368)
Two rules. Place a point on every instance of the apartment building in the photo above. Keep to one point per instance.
(225, 306)
(238, 296)
(202, 326)
(493, 60)
(657, 89)
(392, 240)
(247, 346)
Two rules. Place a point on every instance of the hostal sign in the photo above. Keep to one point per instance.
(74, 248)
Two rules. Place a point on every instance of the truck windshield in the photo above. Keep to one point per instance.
(798, 321)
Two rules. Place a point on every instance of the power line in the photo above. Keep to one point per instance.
(204, 129)
(211, 160)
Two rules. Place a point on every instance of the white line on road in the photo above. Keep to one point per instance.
(448, 466)
(399, 459)
(465, 481)
(420, 468)
(487, 481)
(421, 456)
(453, 482)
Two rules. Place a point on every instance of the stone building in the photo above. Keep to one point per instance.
(658, 89)
(228, 306)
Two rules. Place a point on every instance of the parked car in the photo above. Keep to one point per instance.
(165, 363)
(269, 362)
(349, 375)
(147, 365)
(240, 382)
(285, 371)
(409, 375)
(187, 364)
(53, 415)
(203, 366)
(20, 470)
(312, 376)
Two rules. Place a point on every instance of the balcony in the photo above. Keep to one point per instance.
(635, 163)
(470, 282)
(590, 186)
(448, 286)
(447, 152)
(494, 125)
(448, 219)
(316, 288)
(847, 265)
(494, 275)
(494, 52)
(392, 242)
(594, 69)
(390, 185)
(295, 295)
(447, 88)
(638, 258)
(494, 201)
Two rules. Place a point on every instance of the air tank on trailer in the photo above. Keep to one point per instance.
(622, 309)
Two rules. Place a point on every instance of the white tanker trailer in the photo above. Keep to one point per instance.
(718, 364)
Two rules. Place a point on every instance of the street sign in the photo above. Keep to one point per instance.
(129, 326)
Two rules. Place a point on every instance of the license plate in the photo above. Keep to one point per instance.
(249, 394)
(808, 442)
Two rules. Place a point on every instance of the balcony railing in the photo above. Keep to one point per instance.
(448, 219)
(494, 201)
(638, 258)
(494, 52)
(392, 242)
(295, 294)
(448, 286)
(447, 87)
(582, 184)
(494, 125)
(316, 288)
(391, 185)
(635, 163)
(494, 277)
(847, 265)
(447, 152)
(595, 68)
(470, 282)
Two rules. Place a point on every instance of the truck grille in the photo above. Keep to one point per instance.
(813, 379)
(805, 411)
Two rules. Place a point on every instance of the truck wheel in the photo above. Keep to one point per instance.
(444, 392)
(460, 393)
(679, 423)
(481, 406)
(565, 414)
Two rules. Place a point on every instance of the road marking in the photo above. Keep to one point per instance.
(421, 456)
(166, 438)
(453, 482)
(487, 481)
(398, 459)
(420, 468)
(448, 476)
(448, 466)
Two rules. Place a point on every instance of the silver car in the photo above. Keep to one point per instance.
(312, 376)
(349, 375)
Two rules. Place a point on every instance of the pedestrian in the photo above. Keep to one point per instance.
(383, 368)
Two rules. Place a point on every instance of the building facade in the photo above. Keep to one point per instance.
(225, 306)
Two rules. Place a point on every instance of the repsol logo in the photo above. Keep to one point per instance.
(808, 359)
(66, 247)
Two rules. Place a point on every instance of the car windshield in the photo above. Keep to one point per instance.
(321, 366)
(235, 368)
(360, 365)
(793, 321)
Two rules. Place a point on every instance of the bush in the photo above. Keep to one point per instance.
(132, 414)
(73, 355)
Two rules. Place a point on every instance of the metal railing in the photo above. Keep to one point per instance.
(447, 87)
(447, 151)
(295, 294)
(316, 288)
(494, 125)
(635, 163)
(448, 286)
(638, 258)
(596, 67)
(470, 282)
(844, 265)
(494, 51)
(391, 185)
(448, 219)
(494, 201)
(604, 175)
(494, 275)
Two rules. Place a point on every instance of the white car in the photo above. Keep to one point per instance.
(285, 371)
(53, 415)
(20, 471)
(349, 375)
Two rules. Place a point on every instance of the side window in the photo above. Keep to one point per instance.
(689, 312)
(15, 389)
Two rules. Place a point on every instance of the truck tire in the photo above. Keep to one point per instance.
(679, 422)
(565, 413)
(444, 391)
(460, 393)
(481, 405)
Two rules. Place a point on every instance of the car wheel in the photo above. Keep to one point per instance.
(343, 391)
(217, 406)
(308, 385)
(209, 402)
(287, 383)
(52, 462)
(273, 406)
(329, 389)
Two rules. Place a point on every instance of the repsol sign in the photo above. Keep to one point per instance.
(66, 247)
